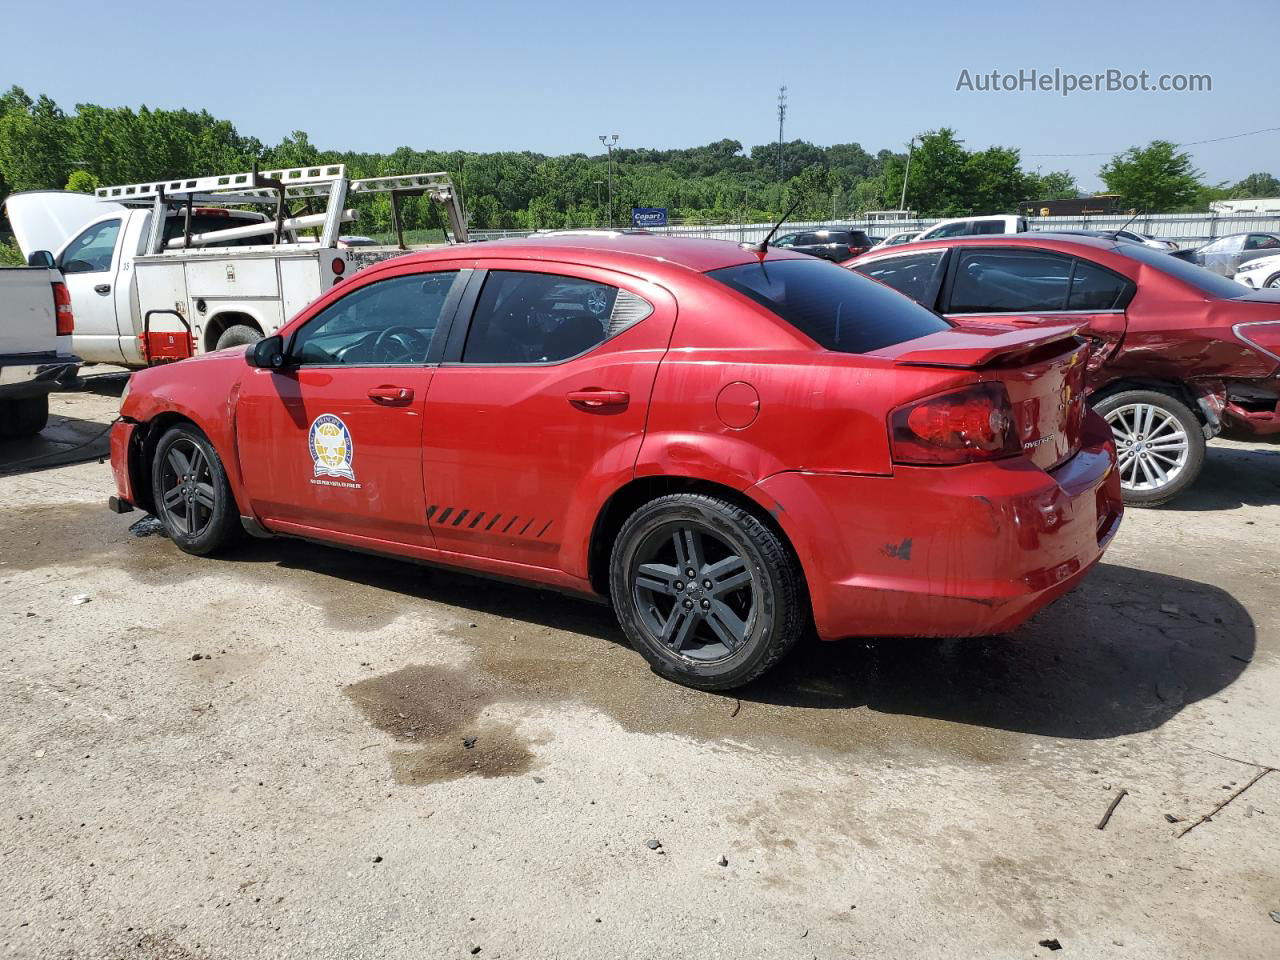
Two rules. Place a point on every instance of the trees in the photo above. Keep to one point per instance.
(1256, 185)
(1153, 179)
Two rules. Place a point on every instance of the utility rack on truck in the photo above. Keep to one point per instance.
(178, 267)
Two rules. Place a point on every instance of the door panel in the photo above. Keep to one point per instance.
(321, 446)
(517, 456)
(334, 440)
(89, 264)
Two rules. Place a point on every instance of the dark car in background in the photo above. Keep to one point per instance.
(1225, 255)
(829, 243)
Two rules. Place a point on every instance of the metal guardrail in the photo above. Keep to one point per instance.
(1186, 229)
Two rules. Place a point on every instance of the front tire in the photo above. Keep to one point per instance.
(24, 417)
(1273, 282)
(730, 622)
(192, 496)
(1160, 444)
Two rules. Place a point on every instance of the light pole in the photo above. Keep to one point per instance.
(608, 145)
(599, 184)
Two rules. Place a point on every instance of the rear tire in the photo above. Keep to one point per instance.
(192, 496)
(731, 622)
(240, 335)
(1159, 441)
(23, 417)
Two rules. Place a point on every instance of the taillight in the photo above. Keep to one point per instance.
(339, 266)
(64, 319)
(960, 426)
(1263, 335)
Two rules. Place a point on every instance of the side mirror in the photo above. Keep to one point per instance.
(41, 258)
(267, 353)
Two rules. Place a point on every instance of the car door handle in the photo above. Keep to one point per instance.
(592, 398)
(390, 396)
(102, 288)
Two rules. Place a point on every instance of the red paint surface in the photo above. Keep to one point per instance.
(505, 469)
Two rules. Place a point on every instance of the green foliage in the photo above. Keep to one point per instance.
(82, 181)
(1256, 185)
(1154, 178)
(10, 255)
(41, 147)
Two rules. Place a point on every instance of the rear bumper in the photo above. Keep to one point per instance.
(949, 551)
(36, 374)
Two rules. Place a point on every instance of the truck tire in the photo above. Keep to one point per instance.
(739, 613)
(1159, 442)
(238, 335)
(24, 417)
(192, 496)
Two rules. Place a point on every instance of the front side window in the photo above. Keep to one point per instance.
(525, 317)
(93, 250)
(1006, 281)
(837, 308)
(391, 322)
(910, 273)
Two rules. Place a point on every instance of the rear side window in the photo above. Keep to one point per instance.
(988, 226)
(545, 318)
(838, 308)
(1096, 288)
(1005, 281)
(911, 273)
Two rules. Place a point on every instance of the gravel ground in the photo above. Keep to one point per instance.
(302, 752)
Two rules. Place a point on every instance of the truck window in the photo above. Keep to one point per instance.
(93, 250)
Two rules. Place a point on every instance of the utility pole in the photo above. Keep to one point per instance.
(599, 184)
(902, 204)
(609, 145)
(782, 116)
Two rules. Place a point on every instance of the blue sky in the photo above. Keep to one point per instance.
(551, 75)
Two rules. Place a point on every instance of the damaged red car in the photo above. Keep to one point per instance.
(729, 444)
(1180, 354)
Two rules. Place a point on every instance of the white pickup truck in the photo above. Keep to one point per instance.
(165, 270)
(35, 346)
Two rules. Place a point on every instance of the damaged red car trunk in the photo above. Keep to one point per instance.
(1179, 354)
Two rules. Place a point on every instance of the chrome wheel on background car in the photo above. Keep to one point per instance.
(1159, 444)
(1273, 283)
(705, 591)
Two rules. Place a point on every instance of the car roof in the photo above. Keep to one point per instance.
(630, 253)
(1026, 239)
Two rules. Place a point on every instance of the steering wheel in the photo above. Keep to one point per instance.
(399, 345)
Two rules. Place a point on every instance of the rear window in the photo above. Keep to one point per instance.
(838, 308)
(1206, 281)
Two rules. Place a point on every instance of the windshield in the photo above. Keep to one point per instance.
(836, 307)
(1206, 281)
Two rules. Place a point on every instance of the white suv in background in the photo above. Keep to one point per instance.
(973, 226)
(1259, 273)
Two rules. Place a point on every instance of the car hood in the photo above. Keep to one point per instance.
(47, 219)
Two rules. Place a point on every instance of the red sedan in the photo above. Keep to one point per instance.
(1180, 354)
(729, 444)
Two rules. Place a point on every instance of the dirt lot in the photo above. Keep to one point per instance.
(267, 756)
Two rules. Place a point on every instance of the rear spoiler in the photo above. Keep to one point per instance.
(979, 345)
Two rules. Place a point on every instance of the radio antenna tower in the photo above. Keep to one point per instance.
(782, 116)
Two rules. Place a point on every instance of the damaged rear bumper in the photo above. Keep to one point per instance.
(948, 551)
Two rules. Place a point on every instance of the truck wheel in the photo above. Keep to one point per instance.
(705, 592)
(1159, 442)
(24, 417)
(239, 335)
(192, 496)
